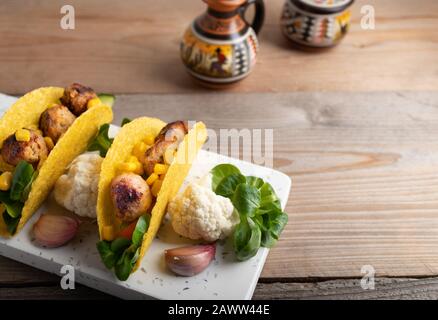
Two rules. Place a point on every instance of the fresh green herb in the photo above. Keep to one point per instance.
(24, 175)
(12, 208)
(119, 245)
(125, 121)
(14, 199)
(10, 222)
(125, 264)
(254, 181)
(246, 199)
(101, 142)
(271, 226)
(247, 239)
(261, 217)
(140, 229)
(227, 186)
(108, 257)
(107, 99)
(268, 199)
(221, 171)
(121, 253)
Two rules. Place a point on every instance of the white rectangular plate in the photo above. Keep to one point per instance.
(225, 278)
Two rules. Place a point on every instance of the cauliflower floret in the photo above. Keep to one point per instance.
(199, 213)
(77, 189)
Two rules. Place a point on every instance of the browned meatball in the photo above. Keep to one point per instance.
(169, 137)
(55, 121)
(76, 97)
(31, 151)
(130, 195)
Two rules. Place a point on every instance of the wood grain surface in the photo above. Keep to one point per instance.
(18, 281)
(133, 47)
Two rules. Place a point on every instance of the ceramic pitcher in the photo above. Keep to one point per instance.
(316, 23)
(220, 46)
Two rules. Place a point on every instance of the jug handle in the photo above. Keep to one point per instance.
(259, 16)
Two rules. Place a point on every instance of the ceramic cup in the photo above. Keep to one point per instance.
(316, 23)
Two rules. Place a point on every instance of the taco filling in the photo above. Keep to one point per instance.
(24, 151)
(133, 193)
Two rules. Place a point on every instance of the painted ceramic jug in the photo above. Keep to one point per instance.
(316, 23)
(220, 46)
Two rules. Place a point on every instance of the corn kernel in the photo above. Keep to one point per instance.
(132, 159)
(93, 103)
(150, 139)
(127, 167)
(5, 181)
(138, 168)
(152, 178)
(160, 168)
(22, 135)
(49, 143)
(156, 187)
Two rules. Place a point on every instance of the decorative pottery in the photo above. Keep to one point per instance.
(220, 46)
(316, 23)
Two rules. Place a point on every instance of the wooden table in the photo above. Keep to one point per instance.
(355, 127)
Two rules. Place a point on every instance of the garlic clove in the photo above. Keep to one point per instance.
(52, 231)
(191, 260)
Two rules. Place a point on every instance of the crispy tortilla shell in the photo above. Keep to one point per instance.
(121, 149)
(26, 112)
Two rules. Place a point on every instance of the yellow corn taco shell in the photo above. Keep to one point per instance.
(26, 113)
(126, 139)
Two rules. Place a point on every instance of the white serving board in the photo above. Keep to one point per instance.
(225, 278)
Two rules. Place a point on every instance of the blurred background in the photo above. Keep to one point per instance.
(133, 47)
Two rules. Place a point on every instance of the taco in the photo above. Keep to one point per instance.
(144, 168)
(40, 135)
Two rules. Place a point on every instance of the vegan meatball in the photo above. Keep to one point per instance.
(55, 121)
(76, 97)
(169, 137)
(31, 151)
(130, 195)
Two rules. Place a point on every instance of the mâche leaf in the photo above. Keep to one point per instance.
(273, 225)
(102, 142)
(124, 265)
(13, 209)
(107, 99)
(254, 181)
(247, 239)
(13, 200)
(125, 121)
(261, 217)
(268, 198)
(119, 245)
(140, 229)
(24, 174)
(246, 199)
(228, 185)
(108, 257)
(11, 223)
(221, 171)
